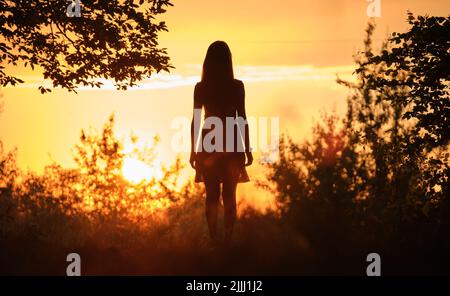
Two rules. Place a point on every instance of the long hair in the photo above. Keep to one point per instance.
(218, 65)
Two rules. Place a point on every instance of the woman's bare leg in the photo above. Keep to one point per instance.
(212, 206)
(229, 202)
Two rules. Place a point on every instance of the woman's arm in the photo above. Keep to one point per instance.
(241, 113)
(195, 129)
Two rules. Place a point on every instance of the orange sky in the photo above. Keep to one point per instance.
(287, 52)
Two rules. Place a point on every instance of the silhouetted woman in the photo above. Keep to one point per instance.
(220, 157)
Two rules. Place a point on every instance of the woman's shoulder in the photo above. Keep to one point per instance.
(198, 87)
(238, 82)
(239, 88)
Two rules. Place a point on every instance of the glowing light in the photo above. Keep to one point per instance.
(137, 171)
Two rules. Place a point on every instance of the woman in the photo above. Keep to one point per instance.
(218, 160)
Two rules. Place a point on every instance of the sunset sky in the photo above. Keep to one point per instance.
(287, 53)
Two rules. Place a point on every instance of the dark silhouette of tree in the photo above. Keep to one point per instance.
(8, 175)
(357, 185)
(115, 40)
(377, 132)
(423, 54)
(416, 63)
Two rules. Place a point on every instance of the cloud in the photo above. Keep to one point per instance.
(190, 74)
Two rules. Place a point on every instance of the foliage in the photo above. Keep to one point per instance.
(8, 174)
(111, 39)
(357, 185)
(423, 54)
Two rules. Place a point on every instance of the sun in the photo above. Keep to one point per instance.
(137, 171)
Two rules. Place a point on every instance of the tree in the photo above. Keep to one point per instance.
(115, 40)
(418, 61)
(358, 184)
(99, 157)
(377, 132)
(423, 53)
